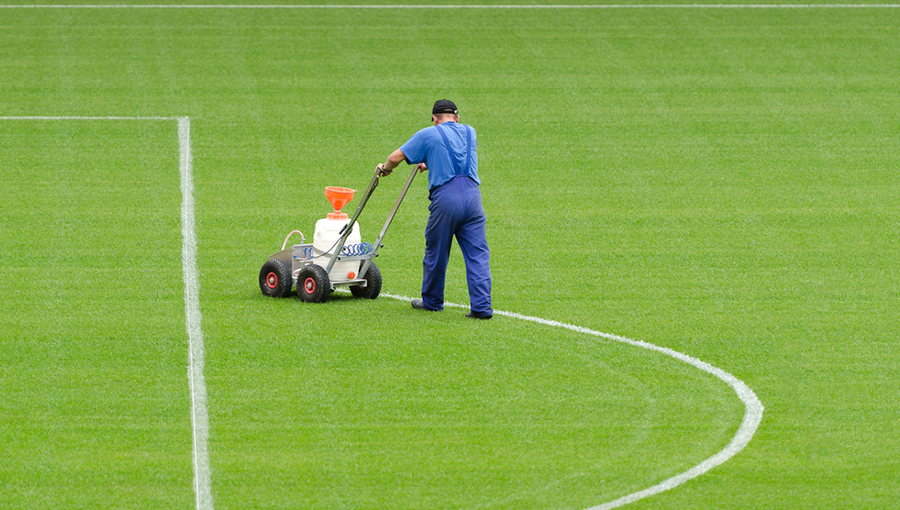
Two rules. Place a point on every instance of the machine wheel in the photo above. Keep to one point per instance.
(313, 285)
(275, 278)
(373, 284)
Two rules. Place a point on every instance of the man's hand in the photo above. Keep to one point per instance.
(382, 170)
(422, 168)
(390, 163)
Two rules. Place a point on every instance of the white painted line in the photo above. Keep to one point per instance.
(199, 418)
(38, 117)
(196, 381)
(593, 6)
(752, 414)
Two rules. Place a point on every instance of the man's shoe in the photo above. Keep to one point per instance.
(418, 304)
(474, 315)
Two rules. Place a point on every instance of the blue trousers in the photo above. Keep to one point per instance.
(456, 210)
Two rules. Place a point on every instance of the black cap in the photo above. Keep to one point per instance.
(444, 106)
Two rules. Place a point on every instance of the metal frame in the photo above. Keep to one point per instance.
(297, 255)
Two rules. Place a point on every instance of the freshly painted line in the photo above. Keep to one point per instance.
(39, 117)
(199, 413)
(196, 381)
(199, 418)
(752, 414)
(593, 6)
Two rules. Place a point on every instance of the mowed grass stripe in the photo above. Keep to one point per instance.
(95, 410)
(465, 6)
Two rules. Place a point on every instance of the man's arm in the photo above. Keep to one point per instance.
(391, 162)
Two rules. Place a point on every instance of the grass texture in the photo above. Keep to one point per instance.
(722, 182)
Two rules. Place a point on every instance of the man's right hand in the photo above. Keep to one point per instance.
(382, 170)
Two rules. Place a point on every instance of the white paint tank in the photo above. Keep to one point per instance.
(328, 231)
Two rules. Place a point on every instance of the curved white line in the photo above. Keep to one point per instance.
(202, 484)
(749, 424)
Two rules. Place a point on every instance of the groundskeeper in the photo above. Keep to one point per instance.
(448, 151)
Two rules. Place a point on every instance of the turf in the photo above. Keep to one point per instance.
(718, 181)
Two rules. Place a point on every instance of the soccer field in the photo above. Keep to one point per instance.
(689, 208)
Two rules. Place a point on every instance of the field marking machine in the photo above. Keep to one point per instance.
(337, 257)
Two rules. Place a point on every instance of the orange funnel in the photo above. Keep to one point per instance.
(338, 198)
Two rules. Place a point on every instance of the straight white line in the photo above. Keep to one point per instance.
(196, 381)
(199, 418)
(40, 117)
(752, 414)
(592, 6)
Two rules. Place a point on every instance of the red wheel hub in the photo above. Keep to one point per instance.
(272, 280)
(309, 285)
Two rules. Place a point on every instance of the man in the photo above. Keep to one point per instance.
(448, 152)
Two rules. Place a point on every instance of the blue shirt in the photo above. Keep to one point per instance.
(427, 146)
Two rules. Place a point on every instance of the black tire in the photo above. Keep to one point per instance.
(313, 285)
(373, 284)
(275, 278)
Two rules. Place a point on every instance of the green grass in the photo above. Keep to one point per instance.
(95, 410)
(720, 182)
